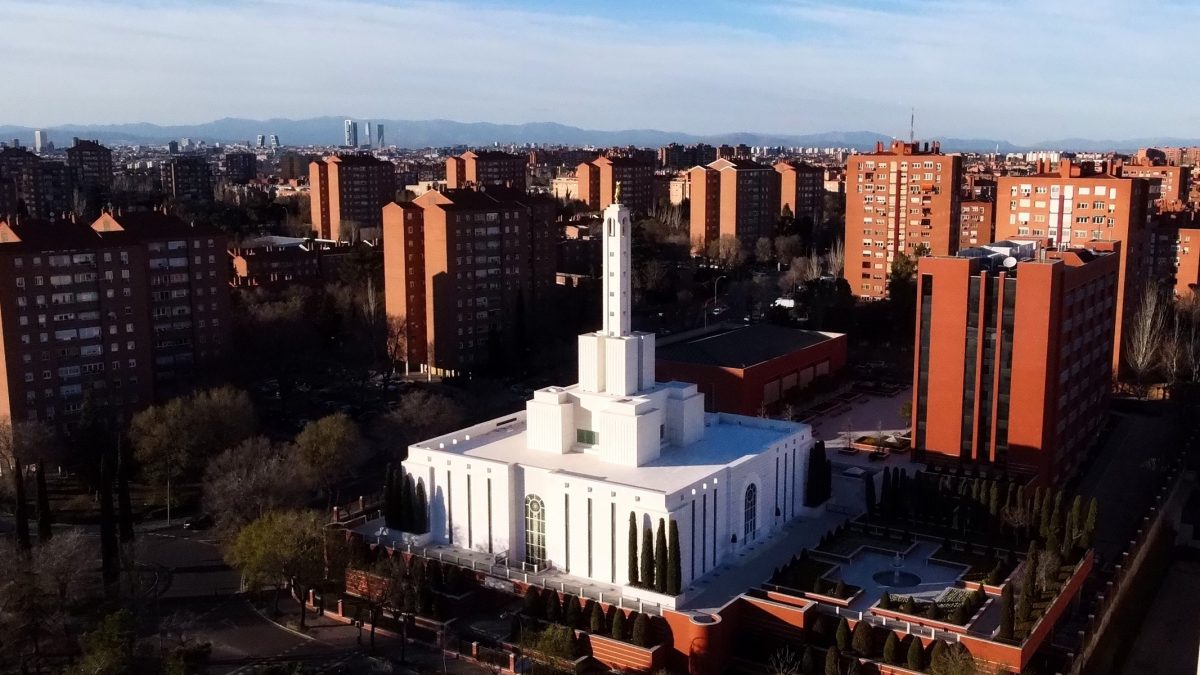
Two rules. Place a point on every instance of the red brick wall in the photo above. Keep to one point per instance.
(740, 391)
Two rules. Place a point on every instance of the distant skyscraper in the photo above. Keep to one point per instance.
(367, 129)
(39, 140)
(274, 141)
(350, 136)
(260, 141)
(379, 135)
(173, 147)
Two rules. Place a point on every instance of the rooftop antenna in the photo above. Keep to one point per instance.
(912, 125)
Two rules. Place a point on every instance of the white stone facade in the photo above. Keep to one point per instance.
(555, 485)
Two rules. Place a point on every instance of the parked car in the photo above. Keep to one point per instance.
(200, 522)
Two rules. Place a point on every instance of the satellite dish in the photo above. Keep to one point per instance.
(1009, 262)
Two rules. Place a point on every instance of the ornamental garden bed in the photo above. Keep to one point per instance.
(954, 607)
(987, 568)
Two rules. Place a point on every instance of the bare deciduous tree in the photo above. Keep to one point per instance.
(1143, 338)
(1174, 351)
(836, 260)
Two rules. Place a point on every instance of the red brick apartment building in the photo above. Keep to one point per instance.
(347, 193)
(187, 178)
(737, 197)
(1070, 203)
(1013, 349)
(898, 199)
(598, 181)
(977, 220)
(461, 267)
(129, 309)
(1175, 250)
(486, 167)
(1168, 185)
(802, 190)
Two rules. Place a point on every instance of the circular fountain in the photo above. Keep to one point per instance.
(897, 577)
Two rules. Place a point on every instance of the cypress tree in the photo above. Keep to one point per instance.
(388, 498)
(641, 630)
(533, 602)
(937, 654)
(108, 533)
(406, 499)
(660, 557)
(633, 550)
(45, 531)
(891, 649)
(885, 601)
(885, 493)
(833, 661)
(553, 608)
(596, 627)
(1006, 613)
(21, 507)
(674, 564)
(618, 624)
(808, 662)
(571, 611)
(1089, 525)
(1056, 517)
(861, 640)
(124, 503)
(839, 589)
(994, 501)
(647, 570)
(916, 655)
(421, 517)
(842, 637)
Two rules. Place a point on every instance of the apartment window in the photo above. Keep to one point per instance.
(587, 437)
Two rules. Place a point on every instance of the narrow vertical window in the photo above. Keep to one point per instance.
(535, 531)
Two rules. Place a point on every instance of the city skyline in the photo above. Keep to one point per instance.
(805, 62)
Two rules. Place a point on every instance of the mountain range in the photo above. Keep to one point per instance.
(439, 133)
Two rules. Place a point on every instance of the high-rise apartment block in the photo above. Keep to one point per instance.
(379, 135)
(1013, 347)
(676, 156)
(465, 272)
(486, 167)
(241, 167)
(599, 178)
(347, 194)
(350, 133)
(91, 165)
(1069, 203)
(1167, 185)
(802, 191)
(39, 141)
(977, 218)
(900, 199)
(1175, 251)
(125, 310)
(44, 189)
(733, 197)
(187, 178)
(187, 272)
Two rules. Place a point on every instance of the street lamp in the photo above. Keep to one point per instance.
(716, 285)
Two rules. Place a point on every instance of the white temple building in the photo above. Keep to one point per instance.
(554, 486)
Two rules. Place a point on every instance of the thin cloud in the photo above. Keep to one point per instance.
(1018, 69)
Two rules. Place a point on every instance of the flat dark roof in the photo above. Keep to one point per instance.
(743, 347)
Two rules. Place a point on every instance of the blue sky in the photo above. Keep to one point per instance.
(1021, 70)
